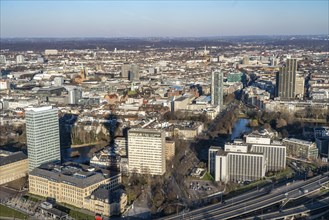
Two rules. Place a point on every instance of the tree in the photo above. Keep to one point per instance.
(280, 123)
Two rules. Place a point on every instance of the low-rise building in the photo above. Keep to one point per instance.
(300, 148)
(13, 165)
(72, 183)
(106, 202)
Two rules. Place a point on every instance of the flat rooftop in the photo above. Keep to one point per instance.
(75, 174)
(7, 157)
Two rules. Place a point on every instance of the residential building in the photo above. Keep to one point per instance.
(290, 85)
(170, 149)
(300, 148)
(146, 151)
(217, 88)
(42, 132)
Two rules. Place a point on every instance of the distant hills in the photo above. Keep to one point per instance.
(320, 42)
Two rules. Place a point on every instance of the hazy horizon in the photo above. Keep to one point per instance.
(166, 19)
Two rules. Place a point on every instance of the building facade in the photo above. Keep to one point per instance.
(130, 71)
(300, 148)
(74, 184)
(275, 155)
(42, 132)
(217, 88)
(289, 84)
(146, 151)
(74, 96)
(13, 165)
(240, 167)
(212, 159)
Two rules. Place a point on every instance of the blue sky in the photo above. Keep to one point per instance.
(169, 18)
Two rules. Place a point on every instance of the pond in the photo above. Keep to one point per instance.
(240, 127)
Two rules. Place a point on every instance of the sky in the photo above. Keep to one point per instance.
(169, 18)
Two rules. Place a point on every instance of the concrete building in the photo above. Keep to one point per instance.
(181, 103)
(236, 147)
(300, 148)
(122, 144)
(51, 52)
(42, 132)
(170, 150)
(275, 155)
(322, 143)
(217, 88)
(4, 84)
(106, 159)
(78, 185)
(13, 165)
(258, 138)
(146, 151)
(74, 96)
(299, 87)
(58, 81)
(289, 85)
(239, 167)
(19, 59)
(212, 152)
(3, 59)
(130, 71)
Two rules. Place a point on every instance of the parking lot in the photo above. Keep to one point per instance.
(198, 189)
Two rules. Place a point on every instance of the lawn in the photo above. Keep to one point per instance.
(8, 212)
(207, 176)
(79, 215)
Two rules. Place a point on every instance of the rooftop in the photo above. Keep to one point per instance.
(75, 174)
(7, 157)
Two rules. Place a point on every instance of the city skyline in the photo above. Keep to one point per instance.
(162, 18)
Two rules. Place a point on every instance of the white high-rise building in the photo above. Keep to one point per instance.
(19, 59)
(3, 59)
(275, 155)
(42, 130)
(146, 151)
(234, 166)
(74, 96)
(217, 88)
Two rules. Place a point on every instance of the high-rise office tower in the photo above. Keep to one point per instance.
(19, 59)
(130, 71)
(289, 84)
(3, 59)
(146, 151)
(74, 96)
(42, 129)
(217, 88)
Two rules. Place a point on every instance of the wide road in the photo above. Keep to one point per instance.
(295, 210)
(239, 207)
